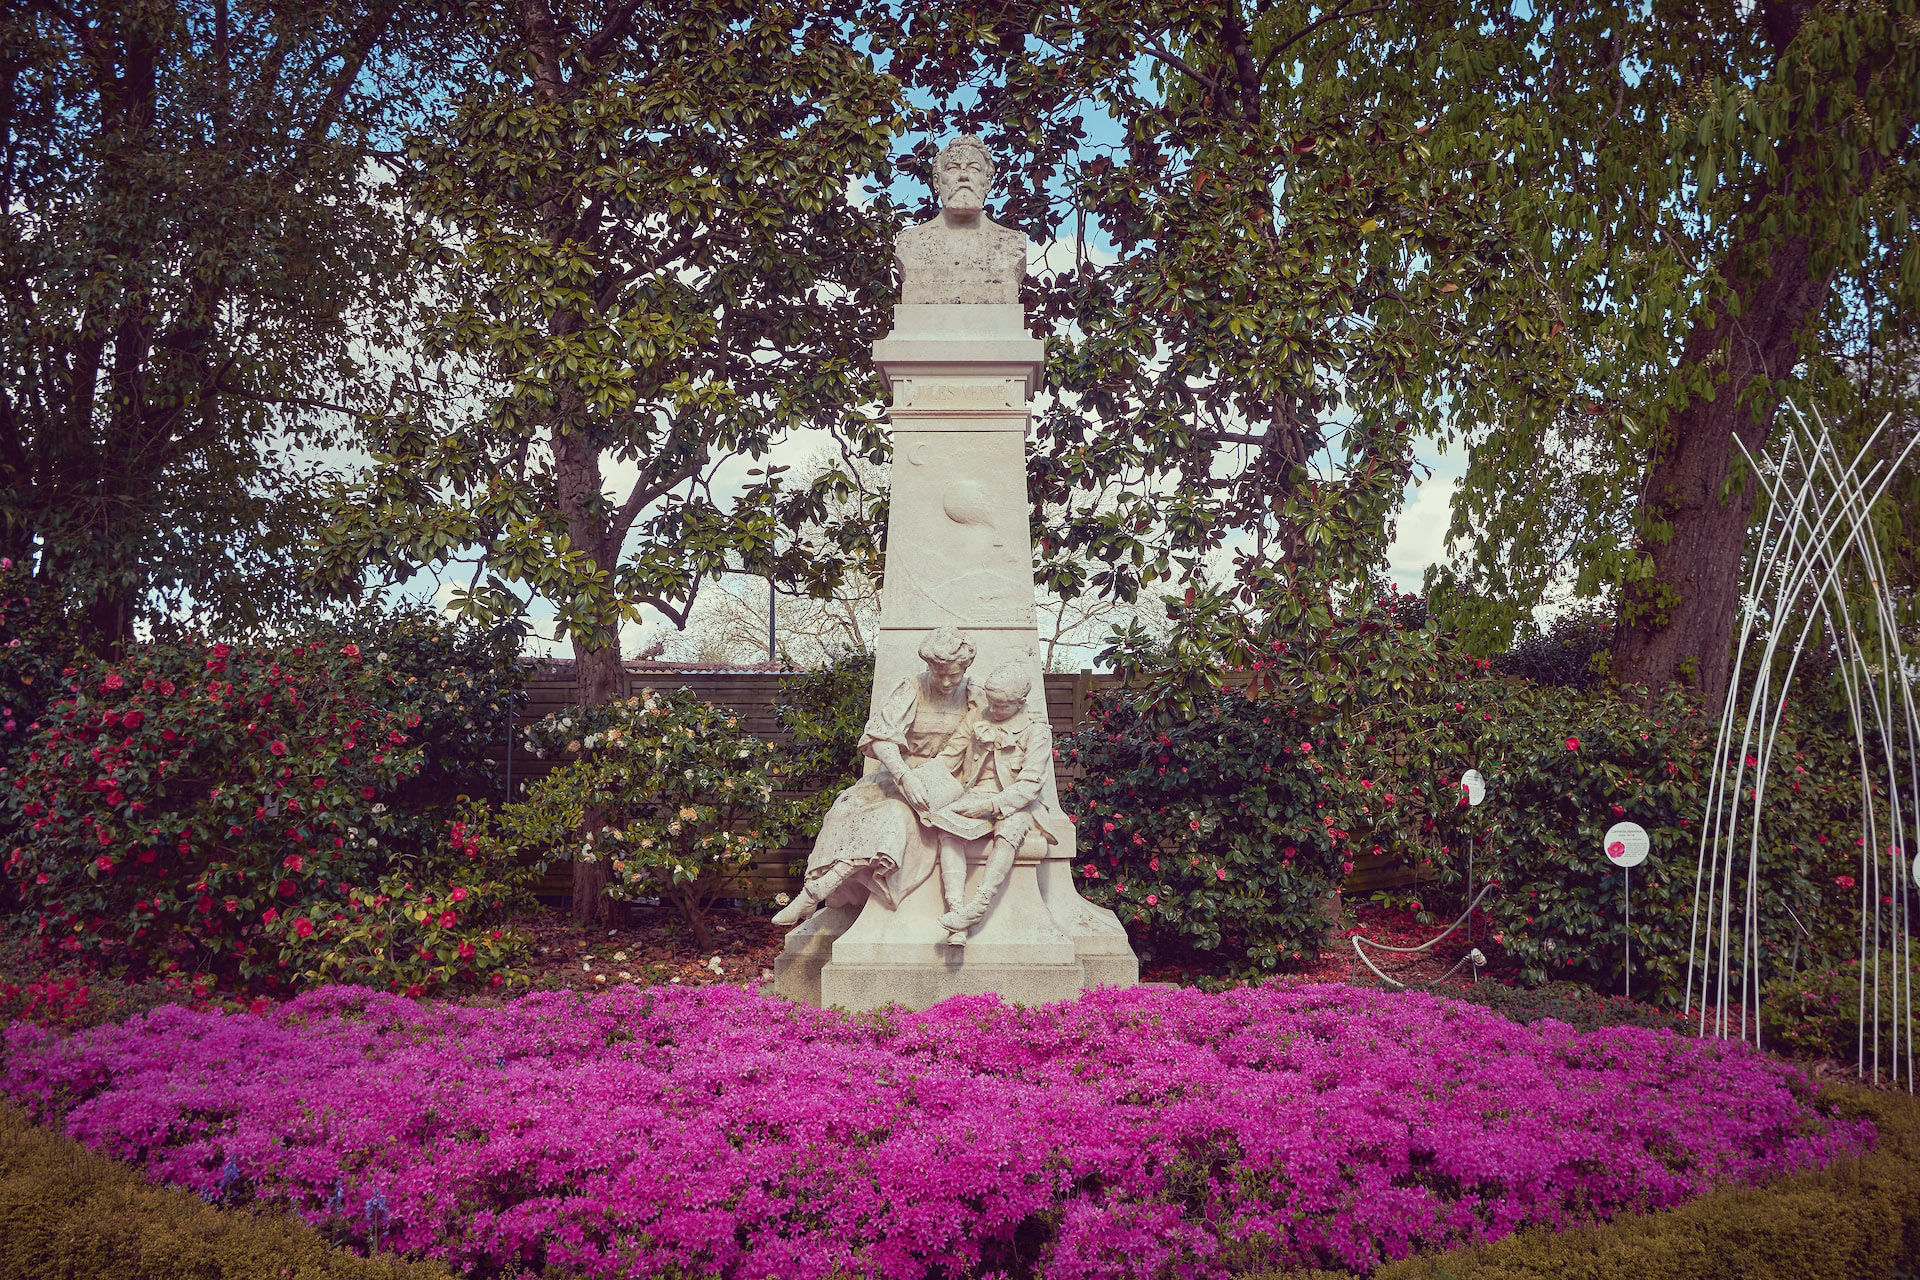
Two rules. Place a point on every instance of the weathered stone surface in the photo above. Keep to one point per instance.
(1001, 912)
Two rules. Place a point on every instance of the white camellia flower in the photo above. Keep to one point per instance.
(781, 899)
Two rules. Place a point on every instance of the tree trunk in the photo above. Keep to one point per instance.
(1677, 626)
(598, 679)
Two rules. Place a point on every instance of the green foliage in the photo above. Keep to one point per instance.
(1393, 717)
(466, 682)
(1208, 829)
(1562, 767)
(65, 1211)
(642, 249)
(671, 792)
(1531, 231)
(1816, 1013)
(823, 711)
(1571, 650)
(202, 254)
(1571, 1003)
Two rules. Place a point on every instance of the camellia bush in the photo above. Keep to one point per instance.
(721, 1133)
(1349, 741)
(670, 791)
(196, 809)
(1211, 829)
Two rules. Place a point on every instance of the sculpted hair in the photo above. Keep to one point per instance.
(945, 646)
(1010, 681)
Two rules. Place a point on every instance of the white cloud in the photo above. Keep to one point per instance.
(1420, 532)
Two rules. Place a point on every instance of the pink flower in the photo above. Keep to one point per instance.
(104, 863)
(1220, 873)
(113, 681)
(1306, 747)
(277, 747)
(303, 928)
(1845, 882)
(1153, 900)
(270, 915)
(1573, 744)
(458, 895)
(448, 920)
(292, 862)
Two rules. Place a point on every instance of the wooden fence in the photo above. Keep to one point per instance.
(752, 694)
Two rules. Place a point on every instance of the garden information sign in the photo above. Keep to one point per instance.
(915, 892)
(1625, 845)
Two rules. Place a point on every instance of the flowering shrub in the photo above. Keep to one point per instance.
(1361, 727)
(1210, 828)
(720, 1133)
(417, 931)
(177, 812)
(463, 681)
(1561, 767)
(680, 795)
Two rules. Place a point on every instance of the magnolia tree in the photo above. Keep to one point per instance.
(1591, 243)
(645, 272)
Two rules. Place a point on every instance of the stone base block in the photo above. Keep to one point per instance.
(809, 945)
(920, 986)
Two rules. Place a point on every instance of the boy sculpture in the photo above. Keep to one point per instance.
(1003, 756)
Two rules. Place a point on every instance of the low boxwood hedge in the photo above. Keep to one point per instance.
(67, 1212)
(1855, 1220)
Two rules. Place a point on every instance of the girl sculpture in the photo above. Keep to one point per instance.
(872, 841)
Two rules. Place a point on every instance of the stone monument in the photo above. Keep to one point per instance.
(947, 869)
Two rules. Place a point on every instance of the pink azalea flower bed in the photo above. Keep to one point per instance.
(1133, 1134)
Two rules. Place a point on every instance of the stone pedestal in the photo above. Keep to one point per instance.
(959, 554)
(962, 369)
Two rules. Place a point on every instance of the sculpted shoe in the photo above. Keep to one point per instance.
(802, 906)
(957, 938)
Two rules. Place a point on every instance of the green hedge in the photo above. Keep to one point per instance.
(1857, 1220)
(67, 1212)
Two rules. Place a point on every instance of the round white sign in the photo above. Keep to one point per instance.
(1626, 844)
(1474, 785)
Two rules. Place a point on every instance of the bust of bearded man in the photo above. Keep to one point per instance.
(961, 255)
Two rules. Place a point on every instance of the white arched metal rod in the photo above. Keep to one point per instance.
(1817, 545)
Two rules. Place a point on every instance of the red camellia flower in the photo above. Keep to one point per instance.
(132, 720)
(466, 950)
(1573, 744)
(303, 928)
(1220, 873)
(277, 747)
(270, 915)
(1153, 900)
(1306, 746)
(114, 680)
(1153, 864)
(1845, 882)
(287, 888)
(292, 862)
(104, 863)
(448, 920)
(458, 895)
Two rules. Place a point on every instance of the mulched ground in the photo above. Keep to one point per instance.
(654, 948)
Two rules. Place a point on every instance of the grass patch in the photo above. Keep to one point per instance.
(67, 1212)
